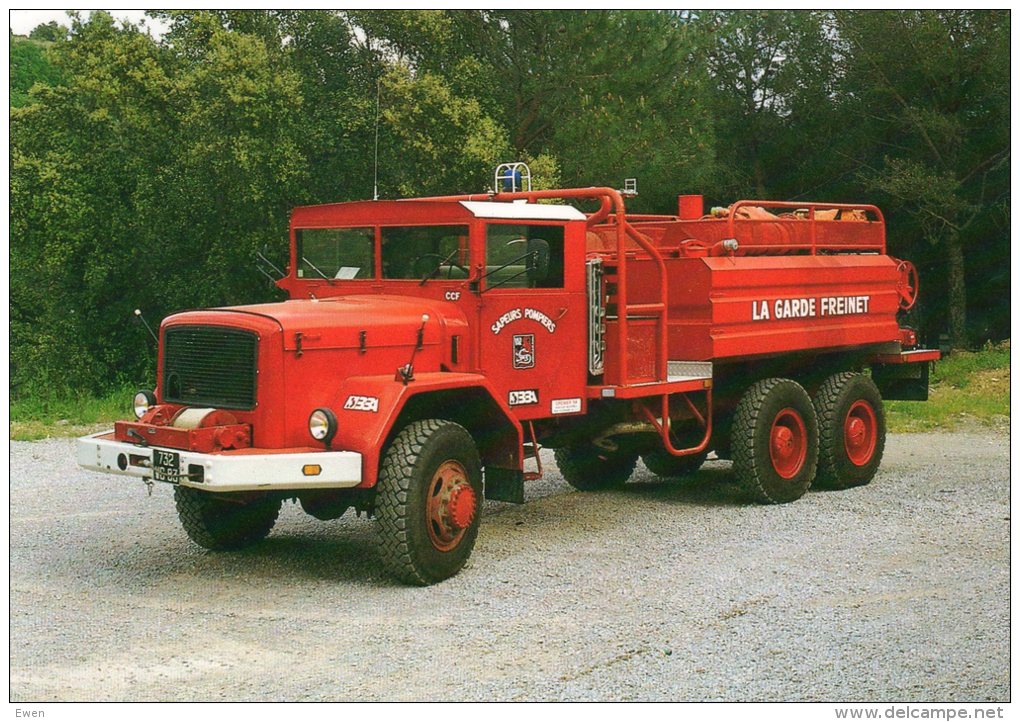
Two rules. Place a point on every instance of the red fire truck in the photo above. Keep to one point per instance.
(430, 347)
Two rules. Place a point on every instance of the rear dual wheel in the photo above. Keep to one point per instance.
(775, 441)
(851, 424)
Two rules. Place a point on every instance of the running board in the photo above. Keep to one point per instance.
(688, 370)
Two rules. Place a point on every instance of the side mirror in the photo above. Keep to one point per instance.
(538, 260)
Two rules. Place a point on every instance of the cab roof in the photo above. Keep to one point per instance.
(414, 211)
(523, 211)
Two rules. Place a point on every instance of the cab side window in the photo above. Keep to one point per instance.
(523, 256)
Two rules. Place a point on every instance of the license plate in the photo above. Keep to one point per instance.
(166, 466)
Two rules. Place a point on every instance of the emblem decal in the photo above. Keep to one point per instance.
(524, 351)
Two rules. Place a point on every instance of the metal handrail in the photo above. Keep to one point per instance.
(811, 208)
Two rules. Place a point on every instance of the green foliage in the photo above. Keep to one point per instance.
(29, 66)
(597, 91)
(49, 32)
(68, 413)
(959, 368)
(422, 121)
(775, 77)
(966, 388)
(930, 90)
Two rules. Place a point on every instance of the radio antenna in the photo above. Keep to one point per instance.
(138, 313)
(375, 187)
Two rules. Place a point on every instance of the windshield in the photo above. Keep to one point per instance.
(423, 252)
(335, 253)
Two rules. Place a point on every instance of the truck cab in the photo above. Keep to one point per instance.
(509, 280)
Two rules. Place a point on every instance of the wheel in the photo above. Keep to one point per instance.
(428, 501)
(775, 441)
(851, 431)
(589, 468)
(907, 285)
(225, 521)
(662, 463)
(326, 505)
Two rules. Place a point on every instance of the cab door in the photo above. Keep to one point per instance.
(533, 316)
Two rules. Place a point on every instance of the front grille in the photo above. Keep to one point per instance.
(210, 366)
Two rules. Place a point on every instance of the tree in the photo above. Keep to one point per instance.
(145, 172)
(596, 91)
(436, 142)
(148, 179)
(29, 66)
(151, 176)
(774, 72)
(930, 90)
(79, 154)
(50, 32)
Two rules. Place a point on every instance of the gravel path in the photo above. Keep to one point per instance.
(663, 591)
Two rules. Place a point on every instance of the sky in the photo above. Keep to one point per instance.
(23, 21)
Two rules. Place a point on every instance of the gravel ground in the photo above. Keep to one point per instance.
(662, 591)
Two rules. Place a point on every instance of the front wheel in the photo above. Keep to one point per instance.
(851, 431)
(225, 521)
(775, 441)
(428, 501)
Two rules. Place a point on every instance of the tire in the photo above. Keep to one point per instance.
(775, 441)
(428, 501)
(662, 463)
(220, 522)
(589, 468)
(851, 431)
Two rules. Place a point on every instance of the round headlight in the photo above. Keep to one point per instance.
(322, 425)
(144, 400)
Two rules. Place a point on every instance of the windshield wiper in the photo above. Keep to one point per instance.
(316, 269)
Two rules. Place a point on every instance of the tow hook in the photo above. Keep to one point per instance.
(135, 434)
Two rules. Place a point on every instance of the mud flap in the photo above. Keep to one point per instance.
(504, 485)
(902, 382)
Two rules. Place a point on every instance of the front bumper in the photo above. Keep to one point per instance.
(238, 470)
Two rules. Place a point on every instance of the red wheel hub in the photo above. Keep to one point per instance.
(860, 432)
(461, 507)
(451, 506)
(788, 443)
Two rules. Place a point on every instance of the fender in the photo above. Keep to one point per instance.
(370, 411)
